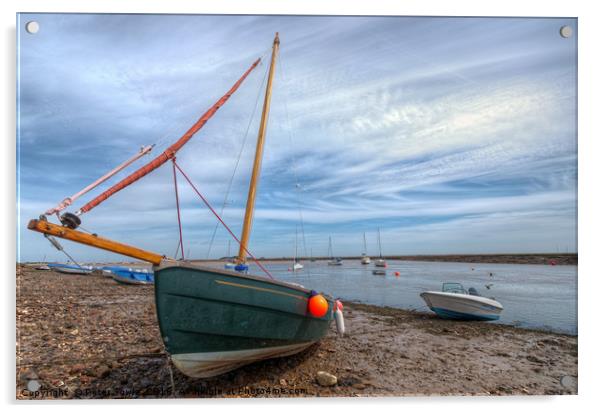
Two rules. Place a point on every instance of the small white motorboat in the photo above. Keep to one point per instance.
(43, 268)
(454, 302)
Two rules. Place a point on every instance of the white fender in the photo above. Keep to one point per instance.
(338, 316)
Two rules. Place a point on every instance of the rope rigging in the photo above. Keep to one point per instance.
(175, 184)
(294, 163)
(220, 219)
(169, 152)
(240, 152)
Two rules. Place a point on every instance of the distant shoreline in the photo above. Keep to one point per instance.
(541, 259)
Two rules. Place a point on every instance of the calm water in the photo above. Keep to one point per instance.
(541, 296)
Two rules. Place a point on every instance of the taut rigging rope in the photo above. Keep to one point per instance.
(242, 147)
(175, 184)
(221, 220)
(297, 185)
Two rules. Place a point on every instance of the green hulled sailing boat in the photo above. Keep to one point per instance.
(213, 321)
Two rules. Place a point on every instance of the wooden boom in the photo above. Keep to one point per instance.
(93, 240)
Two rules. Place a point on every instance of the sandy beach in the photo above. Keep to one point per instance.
(89, 337)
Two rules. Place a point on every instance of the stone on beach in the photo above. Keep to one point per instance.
(326, 379)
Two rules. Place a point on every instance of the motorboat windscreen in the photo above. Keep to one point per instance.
(453, 288)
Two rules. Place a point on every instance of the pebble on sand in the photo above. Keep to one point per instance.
(326, 379)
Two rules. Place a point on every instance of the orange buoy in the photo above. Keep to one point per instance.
(397, 274)
(317, 305)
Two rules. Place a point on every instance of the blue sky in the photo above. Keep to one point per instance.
(452, 135)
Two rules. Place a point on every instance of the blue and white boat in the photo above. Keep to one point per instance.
(108, 270)
(71, 269)
(454, 302)
(136, 276)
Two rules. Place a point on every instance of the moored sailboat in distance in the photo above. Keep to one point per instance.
(333, 260)
(380, 262)
(297, 266)
(229, 265)
(365, 258)
(43, 266)
(213, 321)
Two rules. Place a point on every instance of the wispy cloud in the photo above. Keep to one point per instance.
(452, 135)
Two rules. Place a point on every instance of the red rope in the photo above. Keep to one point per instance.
(169, 152)
(175, 183)
(220, 219)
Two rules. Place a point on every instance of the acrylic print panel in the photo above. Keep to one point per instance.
(379, 206)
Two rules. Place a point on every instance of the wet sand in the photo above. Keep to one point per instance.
(89, 337)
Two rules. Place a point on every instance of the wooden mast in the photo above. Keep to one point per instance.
(246, 230)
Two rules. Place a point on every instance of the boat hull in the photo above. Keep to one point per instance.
(127, 279)
(67, 269)
(462, 306)
(210, 364)
(213, 321)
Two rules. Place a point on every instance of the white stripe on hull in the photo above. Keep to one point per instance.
(462, 303)
(204, 365)
(124, 280)
(73, 270)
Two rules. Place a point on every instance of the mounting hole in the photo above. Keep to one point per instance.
(32, 27)
(566, 31)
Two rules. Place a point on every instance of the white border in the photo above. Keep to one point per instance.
(590, 110)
